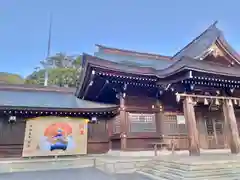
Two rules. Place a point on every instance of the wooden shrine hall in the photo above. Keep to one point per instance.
(127, 100)
(191, 98)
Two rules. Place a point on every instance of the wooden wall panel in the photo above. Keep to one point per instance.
(116, 124)
(97, 147)
(116, 144)
(141, 143)
(11, 137)
(98, 137)
(139, 102)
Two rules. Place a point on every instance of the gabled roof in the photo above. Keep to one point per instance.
(48, 100)
(201, 45)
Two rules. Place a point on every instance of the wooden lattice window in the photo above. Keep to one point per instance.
(142, 122)
(171, 126)
(210, 128)
(116, 125)
(98, 129)
(219, 126)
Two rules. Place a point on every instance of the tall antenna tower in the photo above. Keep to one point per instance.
(46, 63)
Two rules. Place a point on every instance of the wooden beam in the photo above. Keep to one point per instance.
(189, 113)
(90, 84)
(231, 126)
(103, 87)
(183, 96)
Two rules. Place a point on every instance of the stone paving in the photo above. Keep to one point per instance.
(70, 174)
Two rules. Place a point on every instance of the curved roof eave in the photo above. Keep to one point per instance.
(185, 63)
(228, 48)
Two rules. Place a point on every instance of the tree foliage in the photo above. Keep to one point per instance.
(62, 70)
(9, 78)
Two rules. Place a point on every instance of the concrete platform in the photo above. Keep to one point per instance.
(21, 165)
(70, 174)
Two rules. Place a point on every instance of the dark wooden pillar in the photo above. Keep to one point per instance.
(189, 113)
(159, 118)
(123, 123)
(231, 126)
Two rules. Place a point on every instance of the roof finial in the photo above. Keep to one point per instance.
(215, 22)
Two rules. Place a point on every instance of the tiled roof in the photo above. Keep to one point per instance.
(43, 99)
(125, 52)
(135, 61)
(31, 87)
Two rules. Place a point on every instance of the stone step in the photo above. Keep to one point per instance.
(196, 172)
(151, 176)
(170, 176)
(159, 175)
(199, 166)
(174, 170)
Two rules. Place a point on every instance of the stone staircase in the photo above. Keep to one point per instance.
(167, 169)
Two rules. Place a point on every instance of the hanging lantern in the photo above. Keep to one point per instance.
(205, 101)
(178, 97)
(217, 102)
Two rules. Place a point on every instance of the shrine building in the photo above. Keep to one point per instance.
(127, 100)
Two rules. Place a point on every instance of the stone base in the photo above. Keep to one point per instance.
(164, 152)
(113, 165)
(205, 167)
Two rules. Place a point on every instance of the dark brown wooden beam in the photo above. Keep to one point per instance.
(103, 87)
(159, 118)
(89, 84)
(189, 113)
(123, 122)
(231, 126)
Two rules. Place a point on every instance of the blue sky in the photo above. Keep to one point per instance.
(156, 26)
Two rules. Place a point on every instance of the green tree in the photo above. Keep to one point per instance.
(9, 78)
(63, 70)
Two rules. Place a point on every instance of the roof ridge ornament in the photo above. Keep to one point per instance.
(215, 23)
